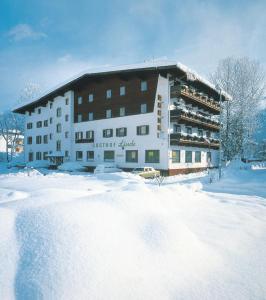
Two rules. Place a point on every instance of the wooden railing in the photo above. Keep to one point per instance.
(193, 141)
(189, 118)
(196, 97)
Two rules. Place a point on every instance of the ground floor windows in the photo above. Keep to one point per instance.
(38, 155)
(45, 155)
(152, 156)
(66, 154)
(197, 156)
(188, 157)
(109, 156)
(79, 155)
(132, 156)
(90, 155)
(209, 157)
(58, 145)
(176, 156)
(31, 157)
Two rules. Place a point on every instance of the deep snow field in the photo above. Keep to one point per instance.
(117, 236)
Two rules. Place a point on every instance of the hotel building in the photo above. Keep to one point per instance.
(158, 114)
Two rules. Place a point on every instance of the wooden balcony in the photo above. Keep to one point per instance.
(193, 141)
(194, 120)
(194, 97)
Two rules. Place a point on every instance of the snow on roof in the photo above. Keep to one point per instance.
(191, 75)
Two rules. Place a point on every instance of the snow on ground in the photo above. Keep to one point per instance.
(117, 236)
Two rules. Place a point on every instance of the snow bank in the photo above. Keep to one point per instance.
(118, 236)
(71, 167)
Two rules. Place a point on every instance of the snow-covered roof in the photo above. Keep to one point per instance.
(157, 64)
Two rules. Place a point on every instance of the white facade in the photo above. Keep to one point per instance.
(157, 139)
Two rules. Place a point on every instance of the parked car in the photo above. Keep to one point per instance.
(147, 172)
(106, 168)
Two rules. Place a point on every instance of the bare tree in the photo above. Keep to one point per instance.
(11, 127)
(244, 80)
(30, 91)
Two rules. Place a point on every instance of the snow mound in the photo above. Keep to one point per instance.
(72, 167)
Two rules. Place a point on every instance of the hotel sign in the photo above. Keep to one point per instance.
(123, 144)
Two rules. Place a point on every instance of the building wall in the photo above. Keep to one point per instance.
(46, 114)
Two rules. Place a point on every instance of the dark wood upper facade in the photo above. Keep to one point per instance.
(131, 101)
(100, 81)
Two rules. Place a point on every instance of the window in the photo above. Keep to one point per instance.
(66, 134)
(29, 125)
(79, 100)
(79, 118)
(122, 90)
(107, 133)
(152, 156)
(177, 128)
(39, 124)
(108, 114)
(66, 153)
(29, 140)
(51, 105)
(121, 131)
(108, 94)
(58, 145)
(79, 135)
(79, 155)
(58, 112)
(189, 130)
(122, 111)
(176, 156)
(109, 155)
(90, 116)
(51, 120)
(208, 134)
(143, 130)
(200, 132)
(38, 155)
(45, 139)
(90, 155)
(90, 97)
(58, 128)
(66, 118)
(197, 157)
(45, 155)
(29, 113)
(45, 123)
(209, 157)
(67, 101)
(188, 157)
(90, 135)
(51, 136)
(143, 86)
(132, 156)
(39, 111)
(30, 156)
(38, 139)
(143, 108)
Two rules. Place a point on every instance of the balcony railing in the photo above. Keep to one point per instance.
(193, 96)
(84, 141)
(193, 141)
(193, 119)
